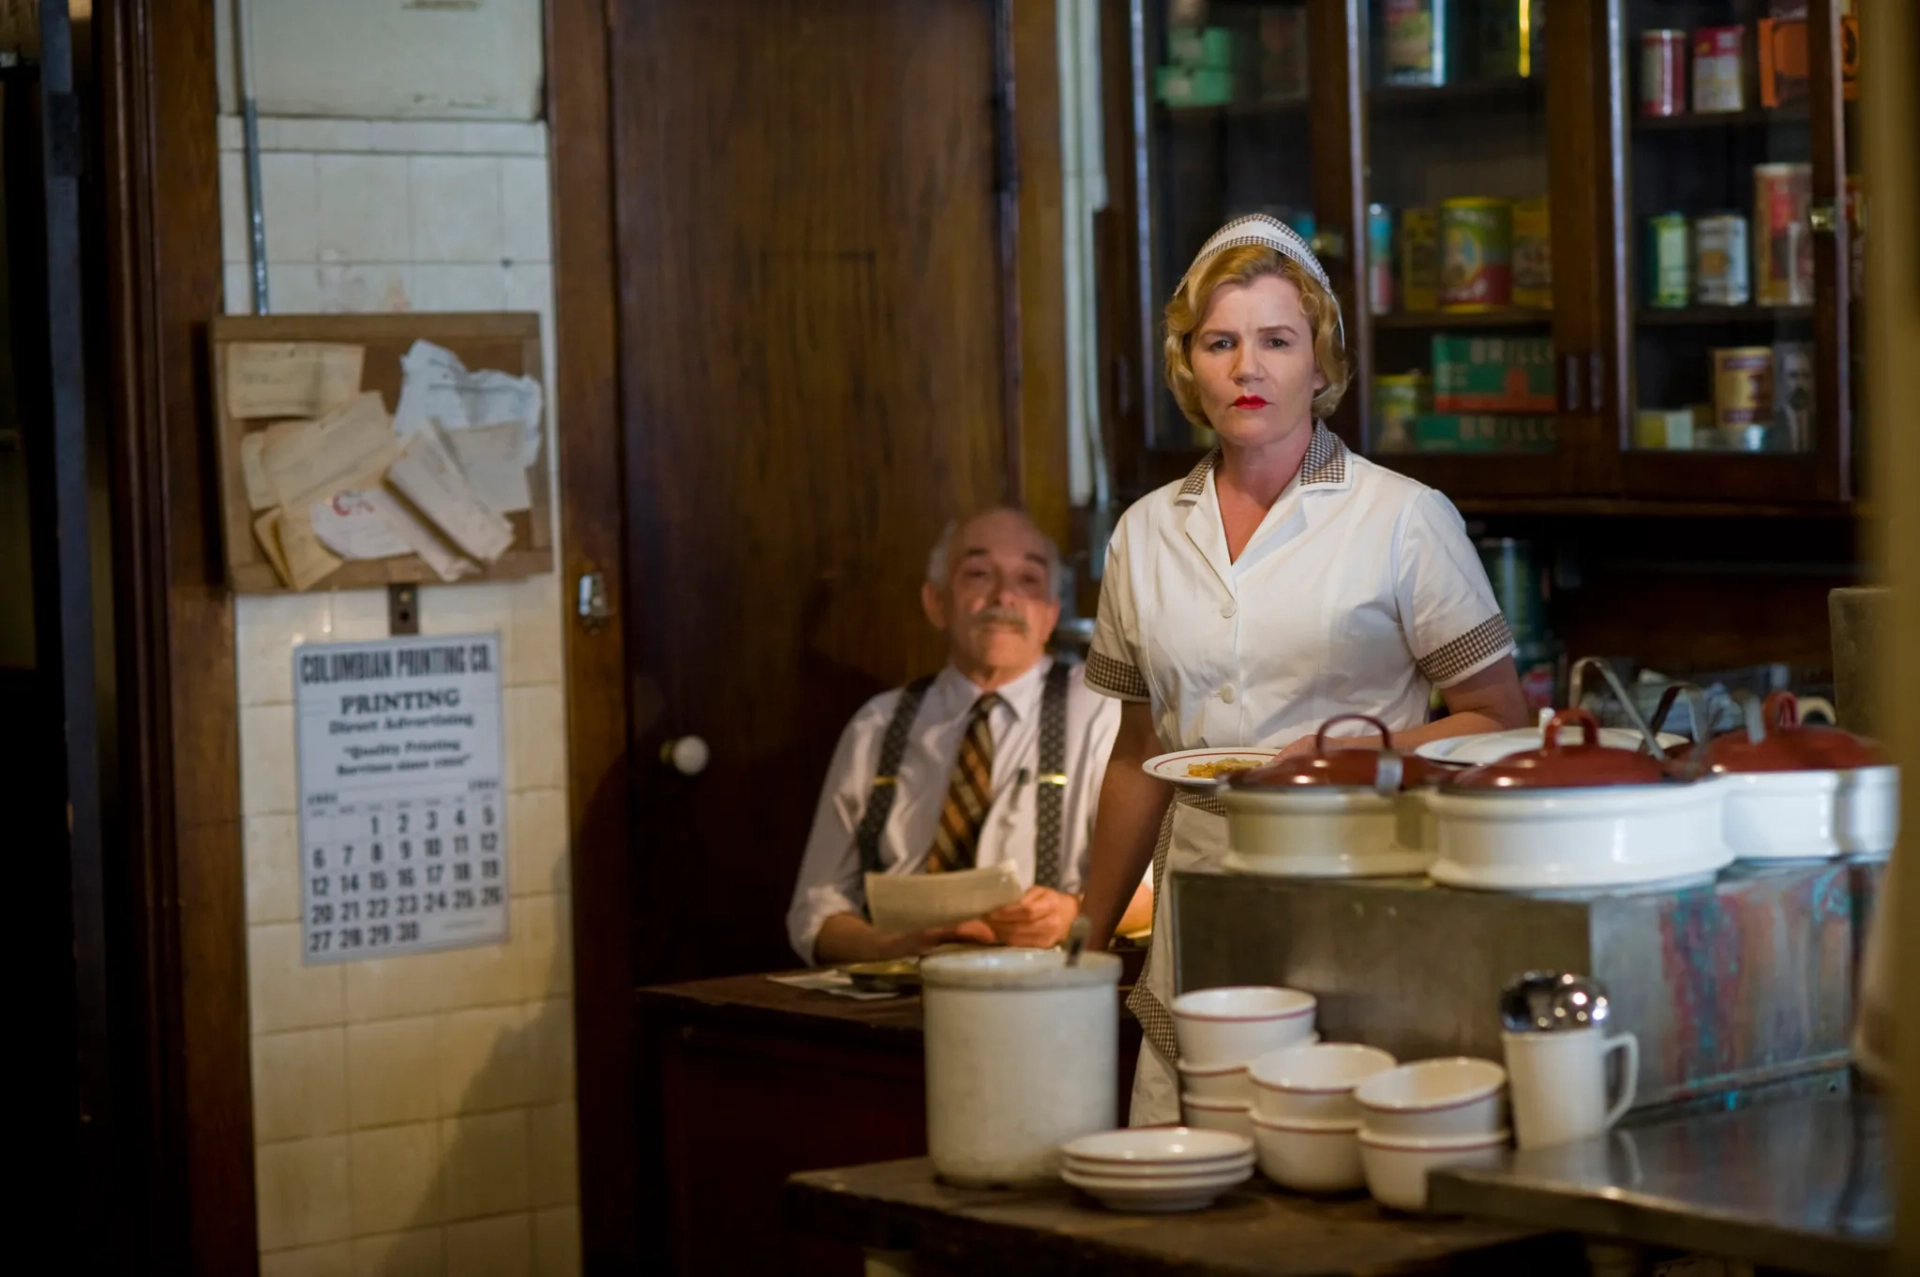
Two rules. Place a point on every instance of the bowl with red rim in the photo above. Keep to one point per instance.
(1396, 1167)
(1453, 1097)
(1236, 1024)
(1314, 1083)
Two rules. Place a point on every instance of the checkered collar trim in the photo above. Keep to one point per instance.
(1324, 466)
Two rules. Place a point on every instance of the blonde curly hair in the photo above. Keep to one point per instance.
(1242, 265)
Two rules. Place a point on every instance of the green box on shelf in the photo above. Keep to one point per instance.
(1451, 432)
(1181, 86)
(1209, 48)
(1477, 373)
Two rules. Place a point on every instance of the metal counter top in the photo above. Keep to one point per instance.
(1801, 1185)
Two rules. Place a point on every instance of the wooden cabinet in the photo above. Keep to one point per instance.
(1346, 116)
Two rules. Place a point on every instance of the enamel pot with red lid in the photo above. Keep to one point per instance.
(1339, 812)
(1797, 792)
(1576, 815)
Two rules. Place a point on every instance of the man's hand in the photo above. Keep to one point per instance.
(972, 931)
(849, 937)
(1038, 920)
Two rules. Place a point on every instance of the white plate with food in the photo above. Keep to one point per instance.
(1204, 768)
(1491, 747)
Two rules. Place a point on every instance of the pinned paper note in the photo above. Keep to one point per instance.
(490, 458)
(290, 378)
(253, 474)
(428, 476)
(914, 902)
(420, 536)
(436, 387)
(291, 547)
(306, 460)
(354, 528)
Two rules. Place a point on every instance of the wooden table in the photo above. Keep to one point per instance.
(900, 1207)
(744, 1082)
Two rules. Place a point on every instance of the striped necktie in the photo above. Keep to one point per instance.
(969, 793)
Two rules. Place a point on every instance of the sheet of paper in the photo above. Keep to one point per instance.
(308, 562)
(253, 473)
(912, 902)
(838, 983)
(354, 528)
(306, 460)
(436, 386)
(266, 529)
(427, 475)
(290, 378)
(419, 536)
(490, 458)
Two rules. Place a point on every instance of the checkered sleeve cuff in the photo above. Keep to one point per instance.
(1113, 677)
(1472, 652)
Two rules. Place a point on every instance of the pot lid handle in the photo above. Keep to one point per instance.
(1388, 768)
(1620, 694)
(1570, 718)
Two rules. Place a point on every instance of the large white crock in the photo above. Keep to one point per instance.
(1326, 833)
(1782, 815)
(1336, 813)
(1575, 817)
(1867, 811)
(1574, 839)
(1022, 1056)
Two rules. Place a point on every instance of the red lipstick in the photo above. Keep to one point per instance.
(1249, 401)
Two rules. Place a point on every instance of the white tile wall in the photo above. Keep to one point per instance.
(413, 1115)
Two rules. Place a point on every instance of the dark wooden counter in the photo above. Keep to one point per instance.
(743, 1082)
(899, 1206)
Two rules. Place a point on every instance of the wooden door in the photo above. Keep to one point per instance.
(811, 332)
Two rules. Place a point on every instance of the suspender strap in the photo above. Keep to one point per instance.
(1053, 777)
(893, 747)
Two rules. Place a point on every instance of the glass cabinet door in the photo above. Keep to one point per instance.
(1228, 135)
(1735, 325)
(1457, 229)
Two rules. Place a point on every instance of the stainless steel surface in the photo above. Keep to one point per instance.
(1801, 1185)
(1731, 985)
(1077, 939)
(1552, 1002)
(1627, 706)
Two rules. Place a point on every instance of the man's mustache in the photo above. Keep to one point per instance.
(1001, 616)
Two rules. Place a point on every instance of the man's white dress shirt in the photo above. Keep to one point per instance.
(830, 876)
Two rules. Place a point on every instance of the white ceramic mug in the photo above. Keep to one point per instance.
(1557, 1083)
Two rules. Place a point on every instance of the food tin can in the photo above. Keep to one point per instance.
(1379, 259)
(1420, 259)
(1518, 586)
(1742, 391)
(1476, 254)
(1512, 38)
(1782, 239)
(1719, 56)
(1532, 254)
(1667, 253)
(1663, 72)
(1414, 41)
(1397, 400)
(1793, 393)
(1720, 275)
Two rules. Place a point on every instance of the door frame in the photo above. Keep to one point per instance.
(180, 1033)
(601, 726)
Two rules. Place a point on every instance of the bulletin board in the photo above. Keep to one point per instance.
(509, 343)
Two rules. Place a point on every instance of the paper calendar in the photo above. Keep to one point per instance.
(403, 845)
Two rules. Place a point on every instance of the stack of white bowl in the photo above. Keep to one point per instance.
(1421, 1117)
(1222, 1031)
(1306, 1121)
(1157, 1168)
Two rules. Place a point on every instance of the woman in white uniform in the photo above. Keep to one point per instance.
(1282, 582)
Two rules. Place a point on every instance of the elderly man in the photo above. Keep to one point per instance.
(999, 757)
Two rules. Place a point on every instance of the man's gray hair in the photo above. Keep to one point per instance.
(940, 561)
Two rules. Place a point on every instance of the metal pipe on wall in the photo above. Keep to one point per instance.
(250, 123)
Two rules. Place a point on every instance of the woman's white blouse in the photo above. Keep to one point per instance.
(1359, 592)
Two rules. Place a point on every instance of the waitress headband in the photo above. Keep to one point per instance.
(1269, 232)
